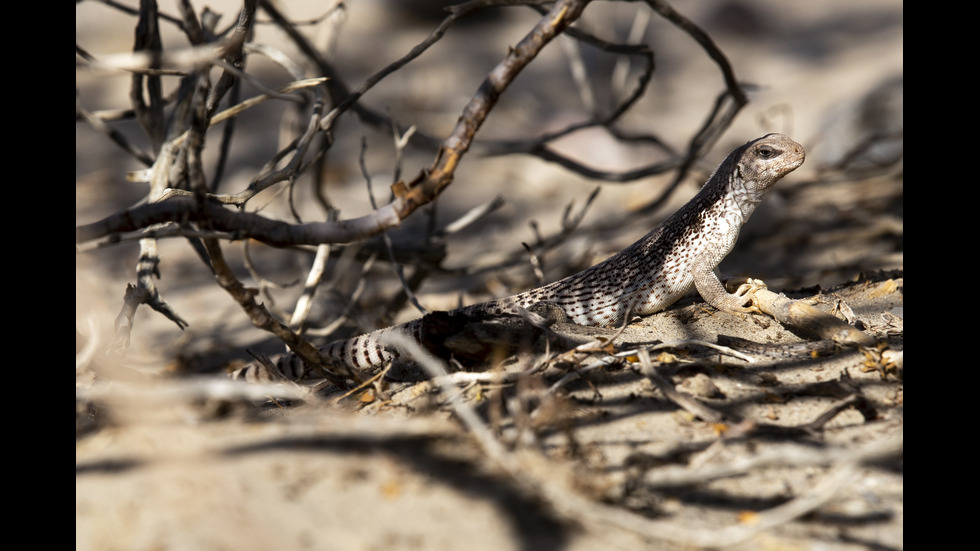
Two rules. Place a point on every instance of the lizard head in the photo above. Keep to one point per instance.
(764, 161)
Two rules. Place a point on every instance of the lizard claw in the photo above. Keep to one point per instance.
(739, 285)
(747, 291)
(742, 300)
(750, 287)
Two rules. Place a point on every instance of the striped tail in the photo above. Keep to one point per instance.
(361, 353)
(365, 352)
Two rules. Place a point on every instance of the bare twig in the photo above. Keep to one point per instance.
(535, 262)
(784, 456)
(386, 239)
(537, 475)
(261, 318)
(646, 368)
(354, 296)
(177, 391)
(471, 216)
(305, 301)
(470, 419)
(799, 314)
(569, 223)
(97, 122)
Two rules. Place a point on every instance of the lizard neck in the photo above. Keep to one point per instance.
(746, 195)
(728, 191)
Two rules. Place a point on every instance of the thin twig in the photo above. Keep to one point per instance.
(690, 404)
(467, 415)
(386, 239)
(305, 301)
(331, 327)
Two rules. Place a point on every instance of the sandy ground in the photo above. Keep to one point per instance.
(168, 457)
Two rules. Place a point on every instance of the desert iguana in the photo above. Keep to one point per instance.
(644, 278)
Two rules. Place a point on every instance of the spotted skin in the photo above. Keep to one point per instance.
(644, 278)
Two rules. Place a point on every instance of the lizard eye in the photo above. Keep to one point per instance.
(766, 152)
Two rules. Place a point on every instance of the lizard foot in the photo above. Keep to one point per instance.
(742, 301)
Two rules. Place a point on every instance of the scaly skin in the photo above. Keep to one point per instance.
(644, 278)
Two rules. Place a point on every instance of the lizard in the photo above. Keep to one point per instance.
(646, 277)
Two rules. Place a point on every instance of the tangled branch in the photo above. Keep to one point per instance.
(181, 203)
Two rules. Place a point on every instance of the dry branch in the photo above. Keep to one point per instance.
(802, 316)
(430, 183)
(180, 203)
(549, 481)
(409, 196)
